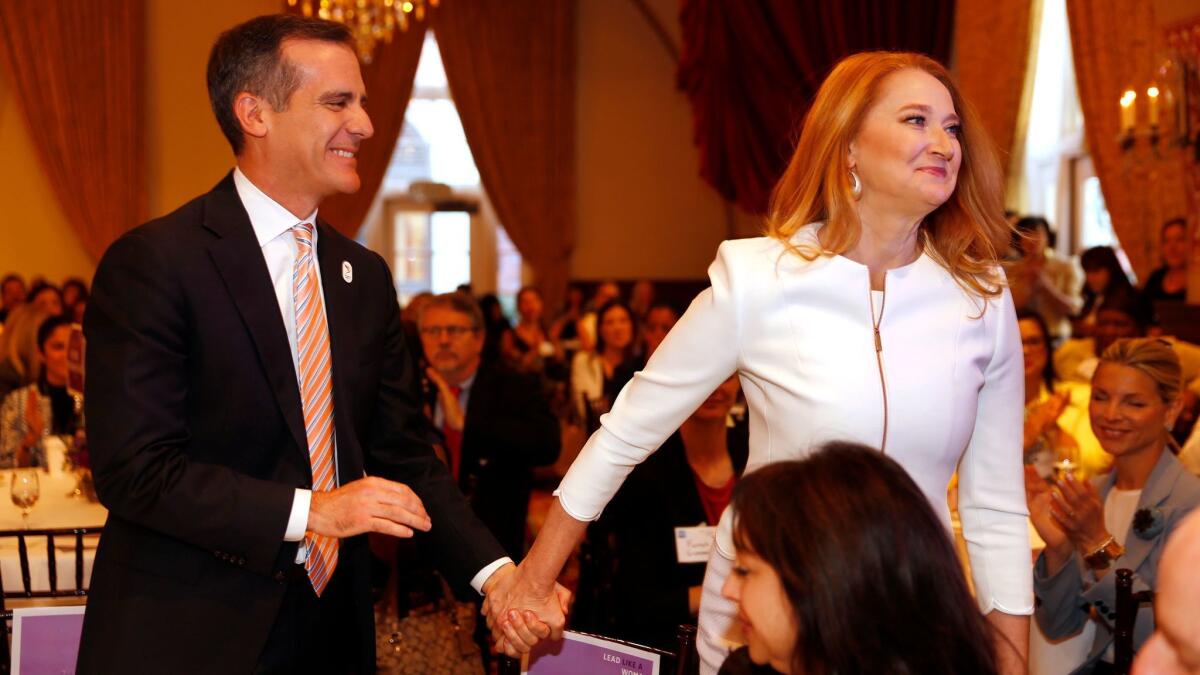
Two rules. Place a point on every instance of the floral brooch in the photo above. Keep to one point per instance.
(1148, 523)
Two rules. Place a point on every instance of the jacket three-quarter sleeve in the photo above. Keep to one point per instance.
(699, 353)
(991, 479)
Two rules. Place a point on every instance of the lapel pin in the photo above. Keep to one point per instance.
(347, 271)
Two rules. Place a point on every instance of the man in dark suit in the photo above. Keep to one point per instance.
(497, 423)
(246, 372)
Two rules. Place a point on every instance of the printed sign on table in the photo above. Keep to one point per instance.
(46, 639)
(578, 653)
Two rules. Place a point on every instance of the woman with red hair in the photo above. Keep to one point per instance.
(873, 311)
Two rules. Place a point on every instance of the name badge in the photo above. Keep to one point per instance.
(693, 544)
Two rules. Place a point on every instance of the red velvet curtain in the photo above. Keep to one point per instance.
(77, 70)
(511, 70)
(751, 69)
(389, 82)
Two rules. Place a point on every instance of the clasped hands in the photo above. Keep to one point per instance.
(1067, 514)
(520, 611)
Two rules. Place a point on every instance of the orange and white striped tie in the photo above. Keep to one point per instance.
(316, 395)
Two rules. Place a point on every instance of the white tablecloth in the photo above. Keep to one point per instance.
(54, 510)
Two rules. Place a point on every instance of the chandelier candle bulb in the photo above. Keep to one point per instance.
(1128, 113)
(1152, 103)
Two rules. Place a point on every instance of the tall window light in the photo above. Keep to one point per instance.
(432, 222)
(1058, 179)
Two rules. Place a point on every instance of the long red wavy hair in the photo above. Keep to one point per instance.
(966, 235)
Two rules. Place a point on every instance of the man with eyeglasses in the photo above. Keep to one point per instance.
(497, 424)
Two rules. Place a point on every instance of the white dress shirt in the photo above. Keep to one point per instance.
(799, 335)
(272, 225)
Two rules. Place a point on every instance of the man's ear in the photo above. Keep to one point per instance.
(251, 112)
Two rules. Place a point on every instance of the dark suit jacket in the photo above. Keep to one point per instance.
(508, 430)
(649, 586)
(197, 440)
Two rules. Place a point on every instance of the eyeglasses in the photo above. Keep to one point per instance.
(451, 331)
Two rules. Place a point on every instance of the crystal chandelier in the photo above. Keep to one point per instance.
(369, 20)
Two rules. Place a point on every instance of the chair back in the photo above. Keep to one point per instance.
(1128, 604)
(41, 572)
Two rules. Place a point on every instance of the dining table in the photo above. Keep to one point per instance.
(61, 504)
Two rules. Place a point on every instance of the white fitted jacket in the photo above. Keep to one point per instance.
(800, 336)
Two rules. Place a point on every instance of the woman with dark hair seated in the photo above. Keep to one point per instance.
(1169, 282)
(45, 407)
(843, 567)
(1103, 276)
(1120, 520)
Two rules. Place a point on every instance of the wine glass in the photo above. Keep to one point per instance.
(25, 491)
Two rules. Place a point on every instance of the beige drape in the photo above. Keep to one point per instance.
(76, 71)
(991, 59)
(511, 71)
(1115, 43)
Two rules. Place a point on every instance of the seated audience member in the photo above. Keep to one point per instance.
(1102, 276)
(74, 293)
(658, 322)
(527, 346)
(495, 325)
(497, 424)
(641, 299)
(46, 296)
(20, 360)
(843, 567)
(1169, 282)
(564, 330)
(598, 376)
(42, 408)
(586, 328)
(1057, 427)
(1119, 520)
(686, 484)
(12, 293)
(1174, 649)
(1040, 279)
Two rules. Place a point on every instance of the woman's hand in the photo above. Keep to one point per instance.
(1080, 514)
(1043, 416)
(1040, 498)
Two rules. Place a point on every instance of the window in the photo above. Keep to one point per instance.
(1058, 180)
(431, 219)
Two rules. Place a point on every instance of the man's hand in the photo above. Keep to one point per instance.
(451, 408)
(367, 505)
(520, 614)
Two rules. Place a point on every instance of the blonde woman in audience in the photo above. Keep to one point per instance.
(598, 375)
(874, 311)
(1120, 520)
(20, 360)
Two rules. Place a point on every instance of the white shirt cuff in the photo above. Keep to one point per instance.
(484, 574)
(298, 520)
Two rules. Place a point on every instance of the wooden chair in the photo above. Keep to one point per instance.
(53, 538)
(1128, 604)
(684, 661)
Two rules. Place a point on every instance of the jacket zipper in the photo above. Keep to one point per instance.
(875, 323)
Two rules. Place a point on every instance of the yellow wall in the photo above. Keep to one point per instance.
(643, 210)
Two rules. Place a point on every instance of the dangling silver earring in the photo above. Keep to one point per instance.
(855, 184)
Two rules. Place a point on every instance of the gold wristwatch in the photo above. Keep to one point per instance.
(1104, 554)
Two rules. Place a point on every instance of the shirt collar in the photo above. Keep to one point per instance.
(267, 217)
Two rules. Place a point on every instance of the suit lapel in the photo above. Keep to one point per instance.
(239, 260)
(337, 283)
(1156, 491)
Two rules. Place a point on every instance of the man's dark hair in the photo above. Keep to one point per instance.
(9, 278)
(249, 57)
